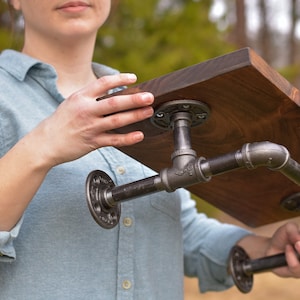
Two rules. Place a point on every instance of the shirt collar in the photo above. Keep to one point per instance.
(17, 64)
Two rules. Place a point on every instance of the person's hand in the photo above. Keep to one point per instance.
(287, 239)
(82, 124)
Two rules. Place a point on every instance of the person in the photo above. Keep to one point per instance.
(53, 133)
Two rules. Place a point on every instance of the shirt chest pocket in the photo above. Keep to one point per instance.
(168, 204)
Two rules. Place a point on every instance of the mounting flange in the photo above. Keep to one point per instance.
(242, 279)
(106, 214)
(162, 118)
(291, 203)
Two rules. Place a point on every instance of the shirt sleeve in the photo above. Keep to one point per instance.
(207, 244)
(7, 249)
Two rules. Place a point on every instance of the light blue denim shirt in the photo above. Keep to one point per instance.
(57, 251)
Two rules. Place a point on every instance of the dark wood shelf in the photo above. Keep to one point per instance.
(249, 102)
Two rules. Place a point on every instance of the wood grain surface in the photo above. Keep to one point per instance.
(249, 102)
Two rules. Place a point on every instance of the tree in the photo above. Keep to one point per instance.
(150, 37)
(241, 24)
(264, 36)
(144, 38)
(292, 34)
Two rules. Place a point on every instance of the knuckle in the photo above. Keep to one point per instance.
(115, 121)
(75, 97)
(105, 81)
(117, 141)
(138, 115)
(136, 98)
(143, 113)
(113, 103)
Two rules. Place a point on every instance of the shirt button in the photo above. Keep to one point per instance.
(121, 170)
(126, 284)
(127, 222)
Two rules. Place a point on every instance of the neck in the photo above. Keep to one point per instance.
(72, 61)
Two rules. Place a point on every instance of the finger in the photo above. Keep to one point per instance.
(105, 83)
(293, 265)
(293, 232)
(120, 140)
(291, 257)
(123, 103)
(297, 246)
(286, 234)
(122, 119)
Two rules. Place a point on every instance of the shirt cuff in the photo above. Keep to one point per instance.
(215, 262)
(7, 249)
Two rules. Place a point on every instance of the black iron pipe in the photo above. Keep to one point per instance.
(264, 264)
(134, 189)
(220, 164)
(196, 170)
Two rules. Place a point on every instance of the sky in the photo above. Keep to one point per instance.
(277, 14)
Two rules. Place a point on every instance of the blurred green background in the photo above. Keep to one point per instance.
(155, 37)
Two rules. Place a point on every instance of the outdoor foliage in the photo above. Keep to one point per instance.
(154, 37)
(150, 40)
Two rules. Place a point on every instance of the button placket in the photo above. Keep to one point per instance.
(126, 244)
(126, 253)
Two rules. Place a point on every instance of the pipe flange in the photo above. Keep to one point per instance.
(107, 216)
(162, 118)
(291, 203)
(242, 280)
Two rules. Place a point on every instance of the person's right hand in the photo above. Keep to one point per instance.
(82, 124)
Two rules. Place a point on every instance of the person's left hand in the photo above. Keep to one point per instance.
(287, 239)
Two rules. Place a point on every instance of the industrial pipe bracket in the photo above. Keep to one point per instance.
(104, 198)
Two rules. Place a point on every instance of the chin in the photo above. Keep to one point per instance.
(77, 30)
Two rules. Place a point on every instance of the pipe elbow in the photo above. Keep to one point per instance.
(270, 155)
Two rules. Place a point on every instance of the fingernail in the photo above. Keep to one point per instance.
(138, 136)
(147, 98)
(131, 77)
